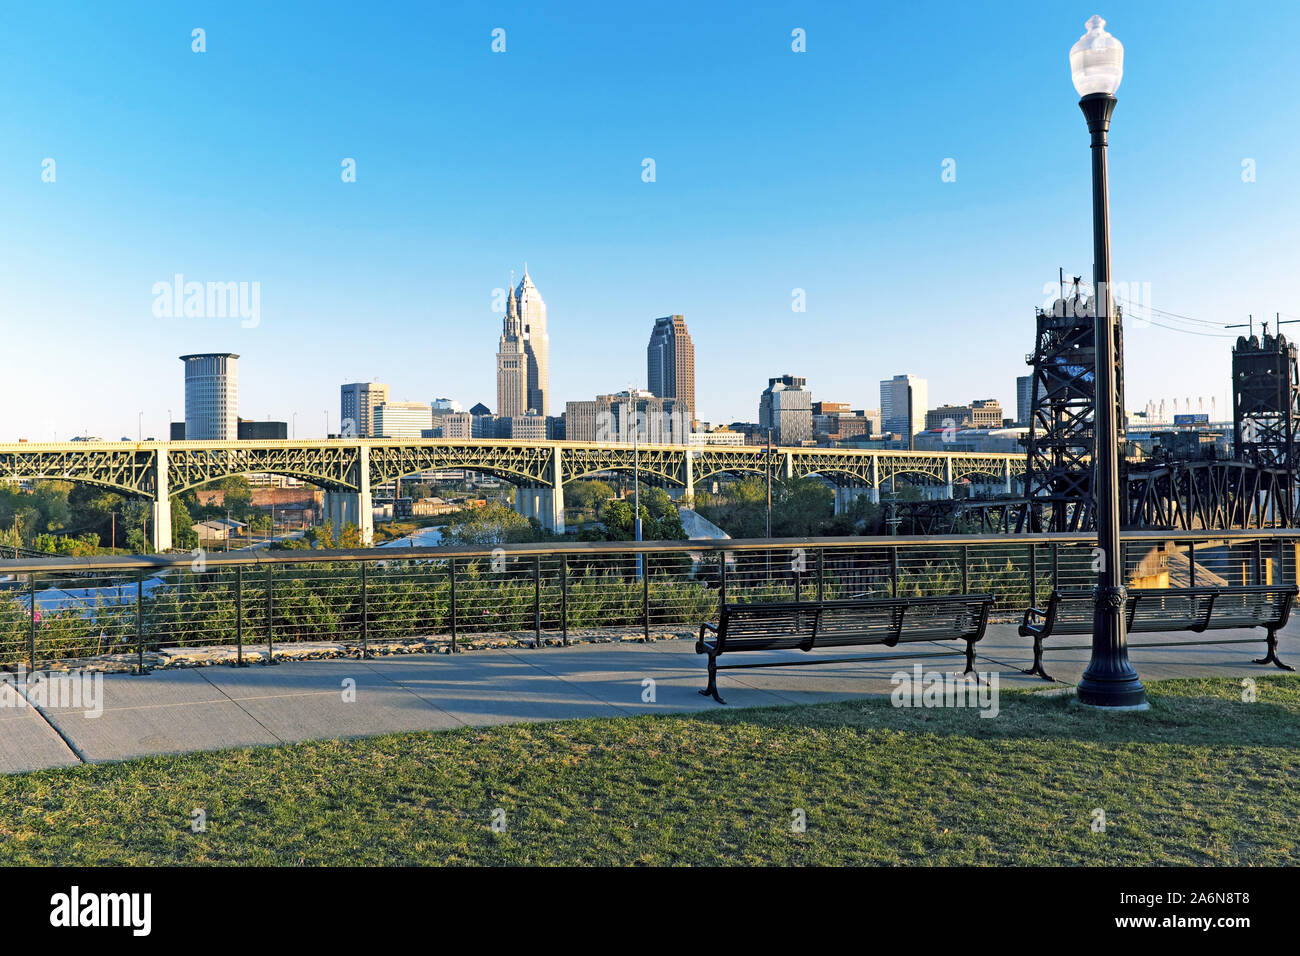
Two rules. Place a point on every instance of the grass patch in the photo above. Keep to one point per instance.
(1202, 778)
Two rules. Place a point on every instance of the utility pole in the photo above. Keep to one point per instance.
(113, 540)
(768, 469)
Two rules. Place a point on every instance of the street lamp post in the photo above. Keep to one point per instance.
(1096, 66)
(636, 488)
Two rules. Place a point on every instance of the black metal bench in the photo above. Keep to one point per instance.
(806, 625)
(1154, 610)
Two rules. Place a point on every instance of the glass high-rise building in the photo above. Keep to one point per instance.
(899, 396)
(670, 361)
(211, 396)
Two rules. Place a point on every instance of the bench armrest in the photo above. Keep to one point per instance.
(700, 646)
(1033, 621)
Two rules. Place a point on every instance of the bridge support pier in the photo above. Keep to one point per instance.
(947, 477)
(162, 504)
(354, 507)
(845, 495)
(688, 468)
(544, 503)
(351, 508)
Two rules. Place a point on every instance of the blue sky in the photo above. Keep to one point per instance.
(775, 170)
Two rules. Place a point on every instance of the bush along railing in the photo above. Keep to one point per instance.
(60, 609)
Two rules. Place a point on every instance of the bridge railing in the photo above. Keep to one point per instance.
(146, 610)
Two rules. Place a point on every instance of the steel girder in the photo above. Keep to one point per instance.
(330, 466)
(335, 464)
(129, 469)
(521, 462)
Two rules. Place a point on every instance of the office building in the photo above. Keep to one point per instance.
(357, 405)
(670, 361)
(903, 403)
(836, 422)
(262, 431)
(523, 354)
(458, 425)
(401, 419)
(785, 407)
(1024, 398)
(621, 416)
(211, 396)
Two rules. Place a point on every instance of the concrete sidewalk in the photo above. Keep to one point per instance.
(214, 707)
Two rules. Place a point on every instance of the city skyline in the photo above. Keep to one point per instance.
(391, 276)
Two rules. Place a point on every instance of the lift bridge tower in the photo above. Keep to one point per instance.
(1060, 443)
(1266, 403)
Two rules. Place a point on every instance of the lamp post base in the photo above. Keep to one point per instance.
(1118, 692)
(1114, 709)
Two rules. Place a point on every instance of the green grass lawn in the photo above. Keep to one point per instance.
(1202, 778)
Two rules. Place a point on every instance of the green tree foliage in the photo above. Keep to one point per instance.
(183, 534)
(659, 519)
(588, 495)
(489, 526)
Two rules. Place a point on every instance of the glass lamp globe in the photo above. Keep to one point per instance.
(1097, 60)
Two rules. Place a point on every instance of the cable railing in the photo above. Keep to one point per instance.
(58, 610)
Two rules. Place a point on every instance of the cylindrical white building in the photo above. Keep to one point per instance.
(211, 396)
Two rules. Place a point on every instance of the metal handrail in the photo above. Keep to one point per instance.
(158, 562)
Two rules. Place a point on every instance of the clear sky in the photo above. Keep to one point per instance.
(774, 171)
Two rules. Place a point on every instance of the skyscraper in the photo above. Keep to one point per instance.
(785, 407)
(903, 403)
(357, 404)
(670, 361)
(523, 357)
(537, 344)
(211, 396)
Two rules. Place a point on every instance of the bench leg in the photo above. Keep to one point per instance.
(1271, 657)
(970, 659)
(1038, 661)
(712, 689)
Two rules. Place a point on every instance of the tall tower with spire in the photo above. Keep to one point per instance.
(512, 361)
(531, 310)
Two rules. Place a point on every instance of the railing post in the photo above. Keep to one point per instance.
(893, 572)
(722, 577)
(139, 621)
(270, 619)
(537, 600)
(1056, 565)
(451, 565)
(239, 616)
(1191, 564)
(1259, 563)
(365, 611)
(821, 575)
(1033, 575)
(645, 595)
(564, 598)
(31, 631)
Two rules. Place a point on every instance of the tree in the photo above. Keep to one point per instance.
(183, 534)
(588, 495)
(491, 525)
(237, 499)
